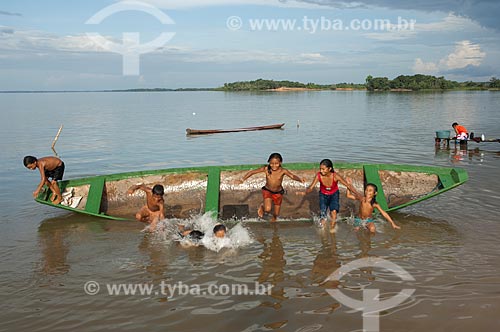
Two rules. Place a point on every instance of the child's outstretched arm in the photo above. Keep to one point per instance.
(250, 173)
(347, 184)
(349, 194)
(141, 186)
(386, 216)
(293, 176)
(309, 188)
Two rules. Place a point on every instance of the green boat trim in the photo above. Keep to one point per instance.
(210, 188)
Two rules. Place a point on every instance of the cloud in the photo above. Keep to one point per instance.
(6, 30)
(465, 54)
(485, 12)
(390, 35)
(3, 12)
(39, 42)
(186, 4)
(424, 67)
(240, 56)
(410, 28)
(37, 45)
(451, 22)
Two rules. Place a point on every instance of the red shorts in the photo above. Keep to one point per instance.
(277, 198)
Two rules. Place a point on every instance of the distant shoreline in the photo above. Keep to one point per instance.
(402, 83)
(282, 89)
(117, 90)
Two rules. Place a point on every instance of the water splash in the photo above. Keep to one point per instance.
(236, 237)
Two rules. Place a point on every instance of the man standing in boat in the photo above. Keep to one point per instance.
(154, 210)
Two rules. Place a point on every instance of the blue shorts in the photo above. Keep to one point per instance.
(328, 202)
(361, 222)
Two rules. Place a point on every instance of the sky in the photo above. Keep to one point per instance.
(109, 44)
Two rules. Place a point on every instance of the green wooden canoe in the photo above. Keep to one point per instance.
(196, 190)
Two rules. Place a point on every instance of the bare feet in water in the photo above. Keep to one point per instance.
(260, 211)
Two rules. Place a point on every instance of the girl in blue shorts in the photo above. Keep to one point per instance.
(328, 192)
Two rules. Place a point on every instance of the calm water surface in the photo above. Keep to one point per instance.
(449, 244)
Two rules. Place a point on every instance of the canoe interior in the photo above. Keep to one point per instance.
(242, 201)
(184, 194)
(193, 191)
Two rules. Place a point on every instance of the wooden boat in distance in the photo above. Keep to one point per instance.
(196, 190)
(190, 131)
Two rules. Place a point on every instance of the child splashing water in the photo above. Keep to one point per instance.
(367, 204)
(328, 192)
(273, 191)
(205, 230)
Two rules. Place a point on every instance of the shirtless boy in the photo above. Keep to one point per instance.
(49, 167)
(154, 210)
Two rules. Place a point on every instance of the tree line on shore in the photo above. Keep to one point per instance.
(402, 82)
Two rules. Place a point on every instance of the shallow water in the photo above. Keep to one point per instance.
(448, 244)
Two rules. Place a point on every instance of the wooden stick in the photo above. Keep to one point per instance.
(57, 137)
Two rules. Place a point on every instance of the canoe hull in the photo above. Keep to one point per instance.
(193, 191)
(190, 131)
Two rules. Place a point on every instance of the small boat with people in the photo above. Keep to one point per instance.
(193, 191)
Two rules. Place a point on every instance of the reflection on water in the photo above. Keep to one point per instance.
(457, 153)
(158, 258)
(53, 241)
(326, 261)
(55, 238)
(273, 263)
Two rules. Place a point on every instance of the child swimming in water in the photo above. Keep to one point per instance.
(273, 191)
(196, 236)
(367, 204)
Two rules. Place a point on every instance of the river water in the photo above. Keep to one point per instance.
(449, 244)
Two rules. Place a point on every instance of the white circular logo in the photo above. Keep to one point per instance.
(370, 305)
(130, 49)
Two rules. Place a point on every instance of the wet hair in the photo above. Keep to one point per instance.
(454, 124)
(374, 199)
(220, 227)
(274, 155)
(29, 160)
(196, 235)
(158, 190)
(328, 163)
